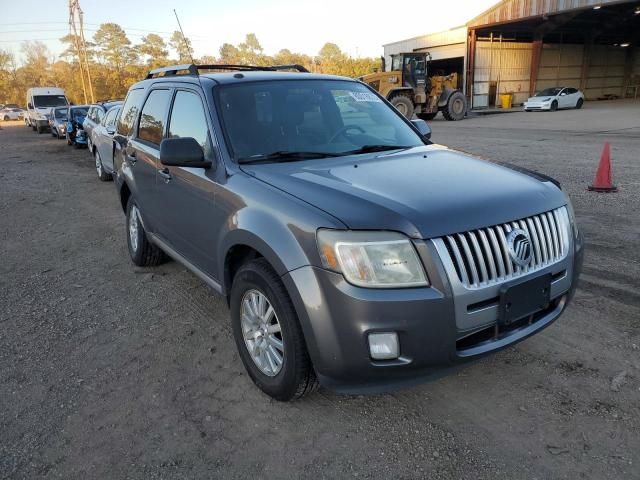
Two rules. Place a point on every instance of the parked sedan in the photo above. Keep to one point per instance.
(58, 121)
(554, 98)
(103, 143)
(8, 113)
(74, 132)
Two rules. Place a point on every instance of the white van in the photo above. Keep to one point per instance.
(39, 103)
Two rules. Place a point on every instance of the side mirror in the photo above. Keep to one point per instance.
(563, 94)
(182, 152)
(423, 127)
(111, 130)
(30, 105)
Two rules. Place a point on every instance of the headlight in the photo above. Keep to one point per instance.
(572, 220)
(372, 259)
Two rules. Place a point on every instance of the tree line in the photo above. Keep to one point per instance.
(115, 62)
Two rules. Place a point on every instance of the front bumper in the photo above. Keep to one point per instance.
(336, 318)
(42, 123)
(537, 106)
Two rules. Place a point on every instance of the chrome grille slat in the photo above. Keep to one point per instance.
(481, 257)
(471, 262)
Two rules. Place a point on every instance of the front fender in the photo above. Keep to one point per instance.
(444, 97)
(279, 226)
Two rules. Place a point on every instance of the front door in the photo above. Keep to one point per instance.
(186, 196)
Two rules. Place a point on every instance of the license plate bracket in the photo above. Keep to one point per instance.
(518, 300)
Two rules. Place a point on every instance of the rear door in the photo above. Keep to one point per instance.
(143, 153)
(186, 196)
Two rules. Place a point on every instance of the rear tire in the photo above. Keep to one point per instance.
(142, 252)
(427, 116)
(456, 107)
(295, 377)
(403, 104)
(579, 104)
(102, 175)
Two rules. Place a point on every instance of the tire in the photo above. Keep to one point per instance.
(295, 377)
(456, 107)
(142, 252)
(40, 129)
(102, 175)
(53, 133)
(403, 104)
(33, 127)
(6, 118)
(554, 106)
(526, 110)
(579, 104)
(427, 116)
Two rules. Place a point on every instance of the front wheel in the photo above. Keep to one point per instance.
(268, 335)
(6, 118)
(579, 104)
(456, 107)
(554, 106)
(143, 253)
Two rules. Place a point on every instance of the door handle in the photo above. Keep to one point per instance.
(164, 173)
(131, 156)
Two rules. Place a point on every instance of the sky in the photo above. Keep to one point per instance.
(302, 26)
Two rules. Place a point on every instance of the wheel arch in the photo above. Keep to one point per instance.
(400, 90)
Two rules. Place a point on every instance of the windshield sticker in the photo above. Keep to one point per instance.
(365, 97)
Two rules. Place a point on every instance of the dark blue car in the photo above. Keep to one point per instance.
(75, 133)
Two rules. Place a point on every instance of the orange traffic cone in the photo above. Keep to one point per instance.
(602, 182)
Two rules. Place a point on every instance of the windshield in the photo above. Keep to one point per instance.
(49, 101)
(311, 116)
(549, 92)
(61, 113)
(78, 114)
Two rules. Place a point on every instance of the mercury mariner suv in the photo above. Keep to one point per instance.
(354, 253)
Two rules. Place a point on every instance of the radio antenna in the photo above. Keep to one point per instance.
(184, 39)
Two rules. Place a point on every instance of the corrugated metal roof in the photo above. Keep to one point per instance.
(512, 10)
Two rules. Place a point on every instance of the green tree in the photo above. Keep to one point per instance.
(154, 49)
(251, 52)
(37, 60)
(229, 54)
(114, 49)
(182, 46)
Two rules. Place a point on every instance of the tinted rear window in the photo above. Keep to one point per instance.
(130, 111)
(152, 120)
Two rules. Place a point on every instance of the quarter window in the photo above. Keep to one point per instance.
(130, 111)
(188, 119)
(153, 115)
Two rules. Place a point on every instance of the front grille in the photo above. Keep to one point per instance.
(481, 257)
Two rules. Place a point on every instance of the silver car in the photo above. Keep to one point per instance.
(103, 143)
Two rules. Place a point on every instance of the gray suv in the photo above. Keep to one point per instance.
(353, 251)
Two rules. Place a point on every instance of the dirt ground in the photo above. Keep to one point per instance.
(112, 371)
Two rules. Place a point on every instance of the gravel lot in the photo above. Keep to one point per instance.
(112, 371)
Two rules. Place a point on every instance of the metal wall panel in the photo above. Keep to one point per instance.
(447, 44)
(504, 65)
(562, 64)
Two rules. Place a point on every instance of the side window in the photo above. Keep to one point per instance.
(151, 126)
(130, 111)
(110, 117)
(188, 119)
(99, 113)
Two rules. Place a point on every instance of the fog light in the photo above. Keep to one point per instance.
(384, 346)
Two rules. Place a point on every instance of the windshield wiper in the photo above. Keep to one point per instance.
(285, 156)
(376, 148)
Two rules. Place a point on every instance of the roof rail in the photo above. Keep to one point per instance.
(192, 69)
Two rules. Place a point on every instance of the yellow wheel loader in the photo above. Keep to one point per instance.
(410, 89)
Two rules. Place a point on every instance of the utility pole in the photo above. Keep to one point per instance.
(76, 29)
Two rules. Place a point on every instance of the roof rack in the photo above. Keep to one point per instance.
(192, 69)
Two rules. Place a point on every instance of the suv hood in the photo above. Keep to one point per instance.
(424, 192)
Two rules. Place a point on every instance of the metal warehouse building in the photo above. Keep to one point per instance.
(520, 46)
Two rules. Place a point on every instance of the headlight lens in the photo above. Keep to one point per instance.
(572, 220)
(372, 259)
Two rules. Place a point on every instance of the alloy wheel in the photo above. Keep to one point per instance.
(133, 228)
(261, 332)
